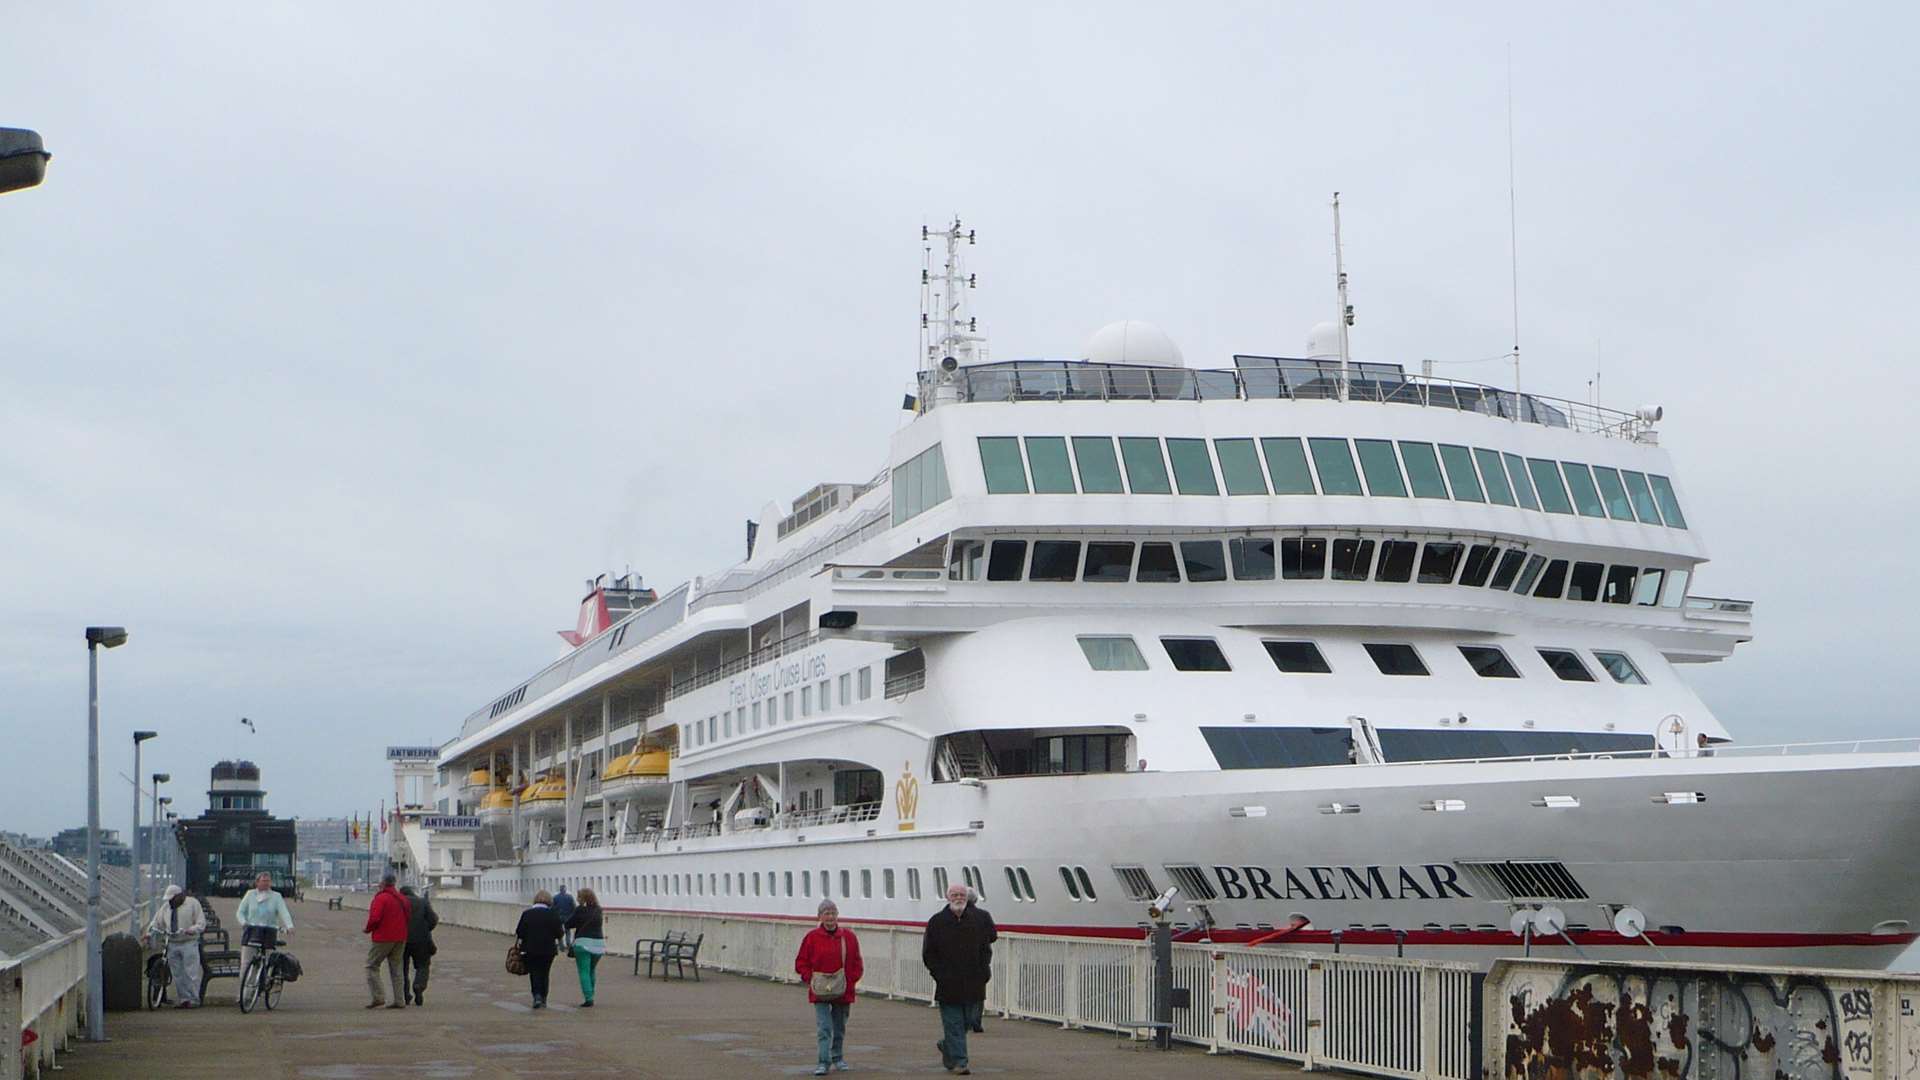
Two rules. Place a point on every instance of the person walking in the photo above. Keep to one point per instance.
(563, 905)
(829, 964)
(387, 917)
(178, 924)
(262, 916)
(958, 952)
(993, 934)
(538, 936)
(589, 941)
(421, 919)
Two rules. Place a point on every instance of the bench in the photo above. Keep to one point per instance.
(218, 959)
(672, 952)
(336, 903)
(1149, 1030)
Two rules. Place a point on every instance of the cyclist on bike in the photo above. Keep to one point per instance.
(262, 915)
(178, 923)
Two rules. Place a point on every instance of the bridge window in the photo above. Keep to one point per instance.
(1352, 560)
(1192, 466)
(1619, 586)
(1553, 582)
(1252, 558)
(1000, 457)
(1047, 458)
(1669, 503)
(1522, 487)
(1008, 559)
(1146, 469)
(1566, 665)
(1438, 563)
(1621, 668)
(1546, 481)
(1641, 496)
(1195, 654)
(1333, 460)
(1287, 464)
(1495, 475)
(1382, 467)
(1113, 653)
(1099, 469)
(1454, 745)
(1297, 657)
(1206, 560)
(1586, 498)
(1394, 658)
(1647, 592)
(1481, 559)
(1396, 560)
(1614, 492)
(1055, 560)
(1108, 561)
(1303, 558)
(1156, 563)
(1459, 463)
(1278, 747)
(1489, 662)
(1585, 583)
(1535, 564)
(1423, 470)
(1240, 466)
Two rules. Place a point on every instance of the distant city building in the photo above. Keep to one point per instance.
(72, 843)
(236, 839)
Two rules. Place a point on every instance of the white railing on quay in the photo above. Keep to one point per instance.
(1406, 1019)
(43, 999)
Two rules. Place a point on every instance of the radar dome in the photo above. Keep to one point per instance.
(1133, 342)
(1323, 341)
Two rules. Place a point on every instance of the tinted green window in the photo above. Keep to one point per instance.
(1000, 457)
(1334, 462)
(1642, 497)
(1586, 498)
(1146, 469)
(1287, 464)
(1192, 467)
(1423, 471)
(1240, 466)
(1099, 469)
(1669, 503)
(1546, 481)
(1381, 466)
(1052, 472)
(1498, 490)
(919, 484)
(1522, 487)
(1613, 492)
(1458, 469)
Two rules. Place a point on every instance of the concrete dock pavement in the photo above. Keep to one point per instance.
(476, 1025)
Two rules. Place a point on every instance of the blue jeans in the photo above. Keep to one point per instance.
(830, 1028)
(954, 1022)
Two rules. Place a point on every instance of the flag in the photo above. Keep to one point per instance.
(353, 828)
(348, 826)
(383, 817)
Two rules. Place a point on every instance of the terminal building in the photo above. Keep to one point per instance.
(237, 839)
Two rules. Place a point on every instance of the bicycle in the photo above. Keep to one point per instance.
(159, 979)
(261, 982)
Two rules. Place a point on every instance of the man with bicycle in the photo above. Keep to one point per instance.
(262, 916)
(177, 924)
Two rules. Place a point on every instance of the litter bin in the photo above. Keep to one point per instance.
(120, 958)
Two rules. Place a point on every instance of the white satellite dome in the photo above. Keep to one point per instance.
(1131, 341)
(1323, 341)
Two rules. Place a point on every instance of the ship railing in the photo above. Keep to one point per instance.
(805, 562)
(902, 685)
(1256, 378)
(827, 815)
(745, 663)
(1726, 750)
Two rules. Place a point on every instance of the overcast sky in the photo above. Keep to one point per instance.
(344, 342)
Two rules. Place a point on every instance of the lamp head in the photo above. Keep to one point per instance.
(166, 800)
(161, 778)
(143, 736)
(111, 637)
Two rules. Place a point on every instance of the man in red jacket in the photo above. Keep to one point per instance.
(387, 923)
(829, 965)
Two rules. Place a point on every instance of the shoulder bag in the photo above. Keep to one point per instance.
(515, 965)
(831, 985)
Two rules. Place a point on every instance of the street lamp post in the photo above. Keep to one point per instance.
(160, 803)
(98, 637)
(133, 839)
(153, 822)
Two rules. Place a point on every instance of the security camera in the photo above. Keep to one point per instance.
(1162, 904)
(949, 365)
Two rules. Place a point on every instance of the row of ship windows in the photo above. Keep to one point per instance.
(813, 698)
(1313, 558)
(1323, 466)
(782, 883)
(1119, 652)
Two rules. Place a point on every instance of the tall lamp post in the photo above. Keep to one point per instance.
(98, 637)
(133, 839)
(160, 803)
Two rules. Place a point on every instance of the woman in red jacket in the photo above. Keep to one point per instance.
(829, 965)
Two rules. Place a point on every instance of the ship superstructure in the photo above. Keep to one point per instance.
(1344, 654)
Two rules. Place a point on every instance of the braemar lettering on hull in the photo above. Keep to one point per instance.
(1428, 881)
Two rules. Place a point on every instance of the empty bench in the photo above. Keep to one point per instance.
(674, 952)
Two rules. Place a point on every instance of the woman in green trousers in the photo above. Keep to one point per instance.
(589, 941)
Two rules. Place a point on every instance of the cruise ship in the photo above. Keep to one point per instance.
(1309, 651)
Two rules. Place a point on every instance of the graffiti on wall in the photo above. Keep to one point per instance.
(1619, 1023)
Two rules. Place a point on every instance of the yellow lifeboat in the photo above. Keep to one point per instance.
(544, 798)
(474, 787)
(497, 806)
(637, 777)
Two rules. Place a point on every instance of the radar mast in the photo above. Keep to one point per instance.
(949, 336)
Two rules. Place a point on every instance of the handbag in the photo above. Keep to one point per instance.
(515, 964)
(831, 985)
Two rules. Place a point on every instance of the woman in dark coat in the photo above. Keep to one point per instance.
(589, 941)
(538, 936)
(421, 919)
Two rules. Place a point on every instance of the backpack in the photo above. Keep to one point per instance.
(288, 968)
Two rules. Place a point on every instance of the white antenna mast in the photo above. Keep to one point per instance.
(950, 334)
(1345, 317)
(1513, 235)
